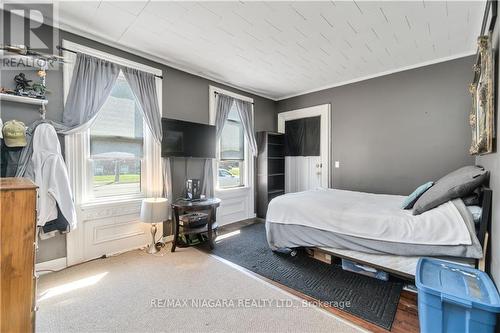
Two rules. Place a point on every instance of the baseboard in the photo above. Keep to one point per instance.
(51, 266)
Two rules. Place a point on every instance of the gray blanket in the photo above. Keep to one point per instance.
(285, 236)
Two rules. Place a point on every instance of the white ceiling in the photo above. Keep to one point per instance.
(281, 49)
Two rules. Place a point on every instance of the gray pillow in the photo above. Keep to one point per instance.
(454, 185)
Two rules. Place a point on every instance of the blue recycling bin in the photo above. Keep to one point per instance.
(455, 298)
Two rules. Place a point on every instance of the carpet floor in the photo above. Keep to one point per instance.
(185, 291)
(373, 300)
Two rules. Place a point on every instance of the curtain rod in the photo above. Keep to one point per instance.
(217, 93)
(68, 50)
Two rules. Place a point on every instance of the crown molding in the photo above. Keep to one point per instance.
(373, 76)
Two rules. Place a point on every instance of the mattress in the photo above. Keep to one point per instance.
(326, 229)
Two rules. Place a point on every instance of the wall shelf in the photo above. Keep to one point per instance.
(23, 99)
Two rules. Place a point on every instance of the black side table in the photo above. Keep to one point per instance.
(182, 206)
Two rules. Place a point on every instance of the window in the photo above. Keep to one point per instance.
(116, 145)
(116, 159)
(234, 166)
(232, 152)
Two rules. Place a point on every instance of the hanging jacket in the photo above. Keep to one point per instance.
(51, 176)
(24, 165)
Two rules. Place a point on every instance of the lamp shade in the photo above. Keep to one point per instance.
(154, 210)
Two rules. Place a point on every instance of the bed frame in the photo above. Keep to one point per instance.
(398, 265)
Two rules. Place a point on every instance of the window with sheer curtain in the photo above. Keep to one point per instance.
(231, 161)
(117, 157)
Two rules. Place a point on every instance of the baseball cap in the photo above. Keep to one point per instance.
(14, 133)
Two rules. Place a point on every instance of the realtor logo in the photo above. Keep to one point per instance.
(29, 29)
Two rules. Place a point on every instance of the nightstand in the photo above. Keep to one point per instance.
(183, 206)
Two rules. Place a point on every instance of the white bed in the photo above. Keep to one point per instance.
(372, 228)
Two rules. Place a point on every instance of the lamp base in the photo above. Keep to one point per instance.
(151, 248)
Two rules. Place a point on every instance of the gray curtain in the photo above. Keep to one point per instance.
(223, 106)
(92, 82)
(143, 86)
(167, 182)
(245, 111)
(207, 186)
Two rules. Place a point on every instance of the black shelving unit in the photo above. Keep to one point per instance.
(270, 169)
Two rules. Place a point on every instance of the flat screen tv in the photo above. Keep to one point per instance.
(187, 139)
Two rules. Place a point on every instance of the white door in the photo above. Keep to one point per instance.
(308, 172)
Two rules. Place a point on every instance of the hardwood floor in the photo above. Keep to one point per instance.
(405, 321)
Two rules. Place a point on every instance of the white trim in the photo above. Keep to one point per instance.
(110, 57)
(324, 111)
(372, 76)
(50, 266)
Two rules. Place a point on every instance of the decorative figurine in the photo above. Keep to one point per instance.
(22, 84)
(40, 88)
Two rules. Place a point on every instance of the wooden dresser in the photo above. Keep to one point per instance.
(17, 257)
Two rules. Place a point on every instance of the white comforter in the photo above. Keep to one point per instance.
(371, 216)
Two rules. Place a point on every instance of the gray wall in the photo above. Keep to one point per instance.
(492, 163)
(395, 132)
(185, 97)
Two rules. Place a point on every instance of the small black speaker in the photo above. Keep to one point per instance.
(193, 189)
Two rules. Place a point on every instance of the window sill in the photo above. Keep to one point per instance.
(231, 189)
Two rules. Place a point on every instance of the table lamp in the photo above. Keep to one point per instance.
(154, 210)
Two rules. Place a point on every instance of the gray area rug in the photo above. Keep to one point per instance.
(373, 300)
(115, 295)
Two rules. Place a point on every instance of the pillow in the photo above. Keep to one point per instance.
(412, 198)
(476, 212)
(456, 184)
